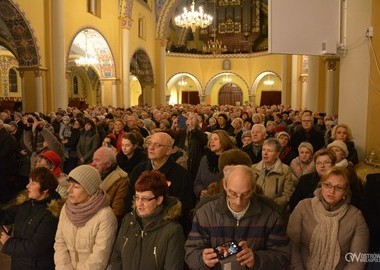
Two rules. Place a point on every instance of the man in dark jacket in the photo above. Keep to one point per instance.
(241, 215)
(258, 135)
(178, 178)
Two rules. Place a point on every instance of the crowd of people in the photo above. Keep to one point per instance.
(163, 187)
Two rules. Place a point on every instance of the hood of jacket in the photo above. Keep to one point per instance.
(54, 203)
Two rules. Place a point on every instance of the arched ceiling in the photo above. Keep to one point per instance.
(94, 43)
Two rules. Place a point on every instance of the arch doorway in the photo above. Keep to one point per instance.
(230, 94)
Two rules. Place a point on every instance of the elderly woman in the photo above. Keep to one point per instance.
(343, 133)
(324, 159)
(274, 177)
(303, 164)
(325, 231)
(149, 237)
(89, 141)
(341, 152)
(34, 218)
(87, 225)
(208, 170)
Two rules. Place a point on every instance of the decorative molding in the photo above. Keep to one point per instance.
(126, 23)
(208, 56)
(304, 77)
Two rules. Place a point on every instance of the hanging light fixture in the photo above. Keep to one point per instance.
(268, 81)
(87, 60)
(193, 18)
(214, 46)
(227, 79)
(182, 82)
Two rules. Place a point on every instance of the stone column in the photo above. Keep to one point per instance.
(311, 98)
(295, 76)
(114, 93)
(126, 24)
(162, 70)
(23, 99)
(102, 93)
(58, 52)
(39, 91)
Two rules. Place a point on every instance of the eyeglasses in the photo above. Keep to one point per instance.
(143, 199)
(324, 163)
(244, 196)
(335, 188)
(156, 145)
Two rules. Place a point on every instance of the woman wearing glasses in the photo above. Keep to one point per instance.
(324, 159)
(149, 237)
(325, 231)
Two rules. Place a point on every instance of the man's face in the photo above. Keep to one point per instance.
(131, 121)
(257, 135)
(239, 189)
(307, 122)
(221, 120)
(100, 163)
(158, 147)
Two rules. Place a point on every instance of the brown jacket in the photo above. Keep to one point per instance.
(353, 235)
(115, 185)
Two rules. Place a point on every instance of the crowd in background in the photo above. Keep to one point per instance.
(149, 170)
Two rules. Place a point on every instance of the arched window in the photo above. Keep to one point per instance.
(75, 85)
(12, 81)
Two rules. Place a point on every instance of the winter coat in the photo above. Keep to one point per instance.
(353, 235)
(158, 245)
(205, 175)
(249, 150)
(89, 141)
(180, 184)
(299, 168)
(277, 183)
(261, 226)
(115, 185)
(312, 136)
(127, 164)
(88, 247)
(304, 189)
(34, 227)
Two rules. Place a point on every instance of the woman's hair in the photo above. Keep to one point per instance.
(153, 181)
(336, 171)
(348, 130)
(325, 152)
(135, 138)
(275, 143)
(259, 116)
(306, 145)
(120, 120)
(45, 178)
(225, 140)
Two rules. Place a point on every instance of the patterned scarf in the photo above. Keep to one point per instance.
(79, 214)
(324, 245)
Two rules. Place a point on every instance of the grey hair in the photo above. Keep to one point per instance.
(275, 143)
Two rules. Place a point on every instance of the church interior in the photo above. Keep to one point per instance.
(124, 53)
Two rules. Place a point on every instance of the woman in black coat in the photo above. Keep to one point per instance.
(30, 223)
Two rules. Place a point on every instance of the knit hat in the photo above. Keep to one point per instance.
(88, 177)
(282, 133)
(13, 123)
(54, 159)
(339, 144)
(246, 133)
(306, 145)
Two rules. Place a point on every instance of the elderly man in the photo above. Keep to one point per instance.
(238, 214)
(180, 186)
(258, 135)
(307, 133)
(114, 179)
(132, 121)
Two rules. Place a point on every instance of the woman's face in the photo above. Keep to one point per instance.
(341, 134)
(127, 147)
(269, 154)
(77, 194)
(284, 140)
(146, 202)
(118, 127)
(334, 189)
(340, 155)
(215, 145)
(34, 191)
(322, 164)
(246, 140)
(247, 125)
(304, 154)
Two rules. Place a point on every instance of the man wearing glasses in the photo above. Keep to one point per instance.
(179, 182)
(242, 216)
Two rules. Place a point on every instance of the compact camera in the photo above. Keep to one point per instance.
(227, 249)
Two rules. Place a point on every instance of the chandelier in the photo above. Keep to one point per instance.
(268, 81)
(193, 19)
(182, 82)
(227, 79)
(88, 59)
(214, 46)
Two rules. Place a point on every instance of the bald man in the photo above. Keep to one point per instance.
(178, 178)
(241, 215)
(114, 179)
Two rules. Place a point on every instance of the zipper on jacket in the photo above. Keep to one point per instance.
(155, 256)
(125, 242)
(276, 191)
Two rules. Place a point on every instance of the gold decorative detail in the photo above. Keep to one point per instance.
(229, 27)
(193, 19)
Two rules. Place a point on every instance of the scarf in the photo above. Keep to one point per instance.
(324, 245)
(79, 214)
(212, 161)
